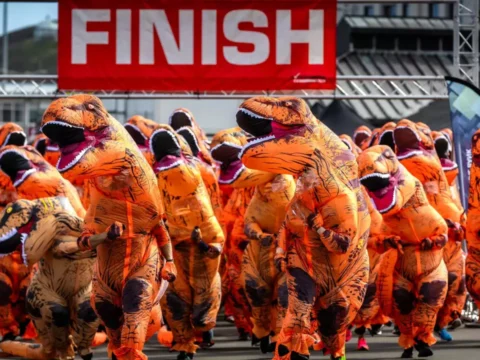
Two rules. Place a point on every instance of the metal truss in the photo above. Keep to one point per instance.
(349, 87)
(466, 38)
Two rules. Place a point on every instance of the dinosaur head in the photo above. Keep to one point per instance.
(140, 129)
(443, 147)
(12, 134)
(182, 117)
(40, 143)
(385, 179)
(19, 163)
(412, 139)
(199, 150)
(385, 135)
(226, 147)
(347, 140)
(282, 129)
(168, 148)
(90, 140)
(361, 136)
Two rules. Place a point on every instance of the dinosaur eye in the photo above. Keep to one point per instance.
(9, 210)
(90, 107)
(288, 103)
(388, 154)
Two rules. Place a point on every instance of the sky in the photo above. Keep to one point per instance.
(27, 13)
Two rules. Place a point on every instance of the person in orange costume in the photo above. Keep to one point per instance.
(416, 151)
(140, 129)
(193, 301)
(329, 271)
(263, 218)
(58, 298)
(361, 136)
(14, 275)
(413, 279)
(205, 165)
(472, 265)
(122, 188)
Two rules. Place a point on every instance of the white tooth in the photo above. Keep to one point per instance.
(235, 176)
(61, 123)
(75, 160)
(8, 235)
(24, 254)
(409, 154)
(189, 129)
(163, 168)
(394, 200)
(24, 176)
(252, 114)
(52, 148)
(255, 142)
(377, 175)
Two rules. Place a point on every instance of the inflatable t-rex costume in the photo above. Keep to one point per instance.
(193, 300)
(226, 145)
(416, 151)
(473, 224)
(264, 215)
(347, 140)
(182, 117)
(361, 136)
(413, 276)
(385, 135)
(123, 188)
(14, 275)
(329, 271)
(140, 129)
(58, 298)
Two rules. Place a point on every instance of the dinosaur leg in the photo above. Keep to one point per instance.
(294, 336)
(258, 290)
(178, 307)
(241, 309)
(432, 290)
(281, 304)
(27, 330)
(456, 296)
(84, 322)
(403, 308)
(8, 324)
(472, 274)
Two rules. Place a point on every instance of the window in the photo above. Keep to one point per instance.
(434, 10)
(368, 10)
(407, 10)
(390, 10)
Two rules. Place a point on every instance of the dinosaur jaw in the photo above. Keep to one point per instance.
(167, 151)
(17, 138)
(382, 189)
(407, 141)
(16, 166)
(227, 155)
(137, 135)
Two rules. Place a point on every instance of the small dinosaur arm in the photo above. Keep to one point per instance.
(413, 250)
(226, 146)
(416, 149)
(197, 241)
(473, 224)
(48, 229)
(122, 187)
(290, 140)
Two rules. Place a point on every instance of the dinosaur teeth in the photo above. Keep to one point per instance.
(233, 178)
(23, 238)
(377, 175)
(136, 129)
(61, 123)
(74, 161)
(167, 167)
(252, 114)
(8, 235)
(256, 141)
(24, 176)
(174, 138)
(16, 132)
(52, 148)
(409, 154)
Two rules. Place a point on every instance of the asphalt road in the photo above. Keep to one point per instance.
(466, 345)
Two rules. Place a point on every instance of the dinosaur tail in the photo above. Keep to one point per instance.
(385, 281)
(24, 350)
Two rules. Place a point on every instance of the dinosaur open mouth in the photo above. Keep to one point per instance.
(166, 149)
(407, 141)
(180, 119)
(360, 136)
(52, 147)
(227, 155)
(262, 128)
(14, 239)
(17, 138)
(382, 189)
(191, 139)
(41, 146)
(447, 164)
(140, 139)
(16, 166)
(73, 142)
(386, 138)
(442, 147)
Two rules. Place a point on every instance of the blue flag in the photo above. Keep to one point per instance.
(464, 100)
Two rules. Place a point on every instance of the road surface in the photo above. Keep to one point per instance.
(466, 345)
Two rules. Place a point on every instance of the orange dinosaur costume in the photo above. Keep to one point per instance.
(385, 135)
(193, 300)
(123, 188)
(416, 151)
(329, 270)
(226, 145)
(182, 117)
(14, 275)
(140, 129)
(413, 278)
(264, 215)
(473, 224)
(58, 297)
